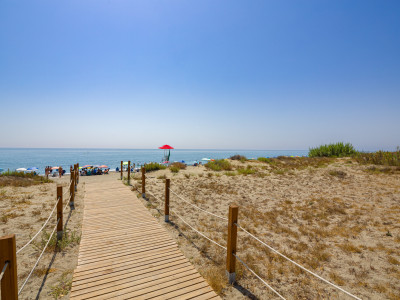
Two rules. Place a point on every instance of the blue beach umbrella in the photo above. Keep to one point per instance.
(32, 169)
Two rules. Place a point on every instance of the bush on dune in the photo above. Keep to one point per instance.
(219, 165)
(154, 167)
(333, 150)
(238, 157)
(384, 158)
(176, 166)
(13, 178)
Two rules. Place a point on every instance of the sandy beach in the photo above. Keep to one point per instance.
(23, 212)
(333, 216)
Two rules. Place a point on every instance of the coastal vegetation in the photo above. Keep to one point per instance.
(219, 165)
(238, 157)
(154, 167)
(333, 150)
(323, 212)
(21, 179)
(379, 158)
(177, 166)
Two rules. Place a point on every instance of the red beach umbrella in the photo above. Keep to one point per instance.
(55, 168)
(103, 166)
(166, 147)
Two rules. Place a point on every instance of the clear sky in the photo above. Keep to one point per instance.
(199, 74)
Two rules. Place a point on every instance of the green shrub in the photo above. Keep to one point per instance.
(384, 158)
(246, 171)
(239, 157)
(333, 150)
(174, 169)
(264, 159)
(219, 165)
(20, 179)
(154, 167)
(230, 173)
(179, 165)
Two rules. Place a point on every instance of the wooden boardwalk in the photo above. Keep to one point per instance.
(125, 253)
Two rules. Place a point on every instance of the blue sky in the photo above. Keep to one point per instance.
(199, 74)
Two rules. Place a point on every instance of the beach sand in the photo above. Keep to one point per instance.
(333, 217)
(23, 212)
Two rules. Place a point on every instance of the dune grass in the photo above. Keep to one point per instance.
(384, 158)
(219, 165)
(154, 167)
(21, 179)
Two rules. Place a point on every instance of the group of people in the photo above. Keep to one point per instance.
(49, 170)
(94, 171)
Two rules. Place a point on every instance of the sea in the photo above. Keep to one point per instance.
(14, 158)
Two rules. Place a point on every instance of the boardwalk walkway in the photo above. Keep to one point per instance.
(125, 253)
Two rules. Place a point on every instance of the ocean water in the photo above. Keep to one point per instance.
(14, 158)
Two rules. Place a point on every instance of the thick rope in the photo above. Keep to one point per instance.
(254, 273)
(202, 234)
(300, 266)
(44, 225)
(4, 270)
(155, 197)
(207, 212)
(41, 254)
(66, 205)
(67, 189)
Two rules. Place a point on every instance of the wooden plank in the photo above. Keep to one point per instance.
(124, 265)
(127, 260)
(130, 280)
(173, 291)
(125, 253)
(120, 289)
(126, 270)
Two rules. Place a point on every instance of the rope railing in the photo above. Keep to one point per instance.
(262, 280)
(194, 229)
(4, 270)
(44, 225)
(232, 237)
(8, 250)
(154, 196)
(183, 220)
(295, 263)
(41, 254)
(199, 208)
(67, 190)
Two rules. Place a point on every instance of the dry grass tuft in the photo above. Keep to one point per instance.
(215, 277)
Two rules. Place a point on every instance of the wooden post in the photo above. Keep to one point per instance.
(77, 176)
(8, 253)
(59, 212)
(60, 170)
(121, 169)
(72, 191)
(166, 204)
(129, 172)
(143, 182)
(231, 245)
